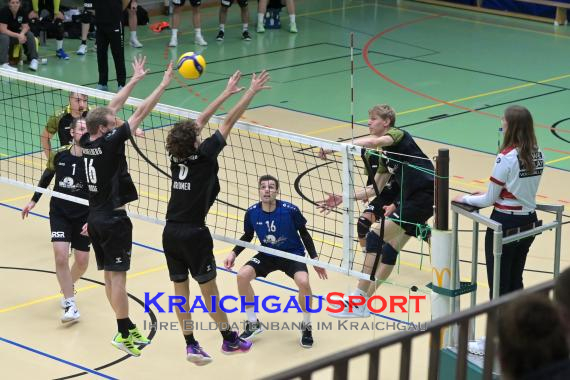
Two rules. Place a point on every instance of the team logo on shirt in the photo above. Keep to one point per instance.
(272, 240)
(68, 183)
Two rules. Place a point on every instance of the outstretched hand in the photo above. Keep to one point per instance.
(328, 204)
(139, 71)
(168, 73)
(232, 86)
(258, 81)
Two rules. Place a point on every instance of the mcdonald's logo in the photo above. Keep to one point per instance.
(439, 275)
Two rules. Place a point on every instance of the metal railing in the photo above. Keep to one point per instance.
(339, 362)
(462, 321)
(498, 239)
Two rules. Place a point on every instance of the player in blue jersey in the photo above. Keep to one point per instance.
(279, 225)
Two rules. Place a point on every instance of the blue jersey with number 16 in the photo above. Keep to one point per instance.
(277, 229)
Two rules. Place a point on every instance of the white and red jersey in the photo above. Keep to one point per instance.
(512, 187)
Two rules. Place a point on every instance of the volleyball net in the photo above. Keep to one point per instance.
(29, 101)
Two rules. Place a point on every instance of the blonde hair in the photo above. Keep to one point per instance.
(384, 111)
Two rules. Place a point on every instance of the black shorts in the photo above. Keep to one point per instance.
(416, 209)
(68, 230)
(228, 3)
(112, 238)
(194, 3)
(265, 264)
(376, 206)
(189, 248)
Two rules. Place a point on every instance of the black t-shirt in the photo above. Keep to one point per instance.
(61, 124)
(195, 183)
(69, 179)
(108, 12)
(408, 178)
(14, 23)
(109, 182)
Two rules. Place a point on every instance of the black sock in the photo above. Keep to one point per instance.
(190, 339)
(123, 326)
(131, 325)
(83, 42)
(227, 334)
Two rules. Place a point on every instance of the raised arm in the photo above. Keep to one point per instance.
(231, 88)
(257, 84)
(139, 73)
(148, 104)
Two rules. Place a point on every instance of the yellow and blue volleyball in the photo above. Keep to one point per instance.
(191, 65)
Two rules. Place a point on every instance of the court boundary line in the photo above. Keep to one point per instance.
(217, 267)
(53, 357)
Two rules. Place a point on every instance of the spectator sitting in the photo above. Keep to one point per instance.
(531, 341)
(14, 30)
(562, 300)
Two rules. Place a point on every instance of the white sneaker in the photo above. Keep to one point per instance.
(6, 66)
(476, 347)
(357, 311)
(70, 313)
(62, 303)
(173, 41)
(199, 40)
(136, 43)
(260, 28)
(33, 65)
(82, 50)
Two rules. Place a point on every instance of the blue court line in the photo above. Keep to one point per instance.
(57, 359)
(220, 268)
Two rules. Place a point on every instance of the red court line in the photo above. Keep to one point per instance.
(423, 95)
(556, 150)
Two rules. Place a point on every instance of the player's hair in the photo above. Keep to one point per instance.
(384, 111)
(268, 177)
(97, 117)
(520, 134)
(531, 336)
(181, 139)
(75, 121)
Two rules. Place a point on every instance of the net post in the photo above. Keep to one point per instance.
(348, 209)
(442, 190)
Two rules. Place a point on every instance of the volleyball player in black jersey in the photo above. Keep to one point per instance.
(413, 205)
(110, 189)
(187, 242)
(67, 218)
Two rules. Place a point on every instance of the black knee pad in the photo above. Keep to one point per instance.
(226, 3)
(195, 3)
(180, 280)
(373, 242)
(86, 17)
(242, 3)
(389, 255)
(362, 227)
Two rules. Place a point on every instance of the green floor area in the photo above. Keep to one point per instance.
(410, 55)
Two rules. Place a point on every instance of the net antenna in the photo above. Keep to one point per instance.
(352, 86)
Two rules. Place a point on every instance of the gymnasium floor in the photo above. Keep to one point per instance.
(448, 73)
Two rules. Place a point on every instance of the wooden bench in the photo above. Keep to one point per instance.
(561, 18)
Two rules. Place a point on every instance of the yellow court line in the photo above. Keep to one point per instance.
(428, 268)
(557, 160)
(8, 200)
(423, 108)
(93, 286)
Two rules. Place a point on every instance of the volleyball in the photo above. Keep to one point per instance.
(191, 65)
